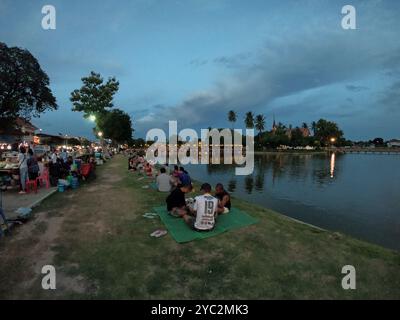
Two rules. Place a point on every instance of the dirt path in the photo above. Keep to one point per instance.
(81, 214)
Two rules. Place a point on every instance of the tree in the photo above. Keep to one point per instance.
(24, 86)
(313, 127)
(378, 142)
(305, 125)
(249, 120)
(116, 125)
(232, 117)
(260, 125)
(326, 130)
(95, 97)
(297, 138)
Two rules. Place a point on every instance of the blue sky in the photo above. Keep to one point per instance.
(194, 60)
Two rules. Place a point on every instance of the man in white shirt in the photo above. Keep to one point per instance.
(54, 157)
(204, 211)
(163, 181)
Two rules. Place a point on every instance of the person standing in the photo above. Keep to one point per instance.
(33, 166)
(23, 168)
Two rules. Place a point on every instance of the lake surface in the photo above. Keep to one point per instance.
(355, 194)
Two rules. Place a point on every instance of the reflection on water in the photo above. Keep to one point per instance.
(353, 194)
(333, 164)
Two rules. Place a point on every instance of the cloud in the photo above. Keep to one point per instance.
(354, 88)
(235, 61)
(283, 68)
(390, 98)
(198, 62)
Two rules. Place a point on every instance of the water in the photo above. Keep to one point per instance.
(356, 194)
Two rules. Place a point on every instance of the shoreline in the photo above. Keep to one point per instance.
(292, 152)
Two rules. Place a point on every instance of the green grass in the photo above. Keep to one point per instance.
(105, 239)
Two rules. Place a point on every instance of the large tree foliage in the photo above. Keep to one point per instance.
(325, 130)
(94, 97)
(24, 86)
(116, 125)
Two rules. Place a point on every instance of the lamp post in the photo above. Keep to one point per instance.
(100, 135)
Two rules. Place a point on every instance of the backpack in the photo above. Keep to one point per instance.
(33, 166)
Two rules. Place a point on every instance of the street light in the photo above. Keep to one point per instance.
(100, 134)
(92, 118)
(333, 140)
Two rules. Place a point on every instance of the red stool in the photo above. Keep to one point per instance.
(29, 184)
(44, 177)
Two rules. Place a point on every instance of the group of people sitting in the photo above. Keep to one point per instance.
(167, 181)
(200, 213)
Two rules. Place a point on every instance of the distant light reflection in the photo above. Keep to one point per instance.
(333, 157)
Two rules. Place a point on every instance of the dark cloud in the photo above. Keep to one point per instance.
(354, 88)
(283, 69)
(234, 61)
(198, 62)
(390, 98)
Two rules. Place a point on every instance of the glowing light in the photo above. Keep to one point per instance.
(333, 140)
(333, 165)
(92, 118)
(100, 134)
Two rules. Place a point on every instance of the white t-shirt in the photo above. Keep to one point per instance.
(54, 158)
(206, 209)
(163, 182)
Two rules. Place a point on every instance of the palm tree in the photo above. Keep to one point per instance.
(232, 117)
(260, 122)
(314, 127)
(260, 125)
(249, 120)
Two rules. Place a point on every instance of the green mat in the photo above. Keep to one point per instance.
(181, 232)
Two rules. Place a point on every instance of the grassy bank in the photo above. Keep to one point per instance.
(99, 243)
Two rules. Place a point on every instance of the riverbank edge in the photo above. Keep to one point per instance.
(291, 152)
(244, 203)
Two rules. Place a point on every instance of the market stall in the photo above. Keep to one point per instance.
(9, 170)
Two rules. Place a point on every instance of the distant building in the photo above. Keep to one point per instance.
(394, 143)
(306, 132)
(22, 132)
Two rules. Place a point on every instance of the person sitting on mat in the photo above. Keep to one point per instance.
(202, 217)
(224, 203)
(148, 170)
(164, 181)
(176, 203)
(184, 177)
